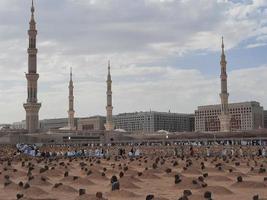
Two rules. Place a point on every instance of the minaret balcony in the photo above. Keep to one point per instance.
(32, 76)
(32, 107)
(223, 62)
(32, 32)
(224, 76)
(32, 51)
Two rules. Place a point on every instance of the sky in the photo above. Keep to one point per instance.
(165, 54)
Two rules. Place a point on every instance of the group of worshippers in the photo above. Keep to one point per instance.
(99, 153)
(236, 152)
(33, 150)
(30, 150)
(132, 153)
(225, 151)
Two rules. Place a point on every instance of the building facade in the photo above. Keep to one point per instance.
(45, 124)
(265, 118)
(19, 125)
(244, 116)
(94, 123)
(149, 122)
(53, 124)
(32, 106)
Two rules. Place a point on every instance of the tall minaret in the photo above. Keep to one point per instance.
(225, 117)
(32, 107)
(109, 122)
(71, 104)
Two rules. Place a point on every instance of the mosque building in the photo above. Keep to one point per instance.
(224, 117)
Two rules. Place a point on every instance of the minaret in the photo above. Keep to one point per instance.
(71, 104)
(32, 107)
(225, 117)
(109, 122)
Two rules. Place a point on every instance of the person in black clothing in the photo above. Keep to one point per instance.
(259, 152)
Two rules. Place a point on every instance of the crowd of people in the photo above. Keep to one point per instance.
(134, 152)
(73, 151)
(239, 151)
(151, 158)
(33, 150)
(219, 150)
(138, 150)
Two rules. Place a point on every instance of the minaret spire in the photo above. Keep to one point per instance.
(32, 21)
(109, 121)
(109, 76)
(222, 46)
(32, 8)
(71, 74)
(32, 106)
(225, 118)
(223, 54)
(71, 111)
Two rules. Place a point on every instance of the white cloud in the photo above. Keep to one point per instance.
(249, 84)
(256, 45)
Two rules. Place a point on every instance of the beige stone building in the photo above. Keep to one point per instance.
(244, 116)
(94, 123)
(265, 118)
(151, 121)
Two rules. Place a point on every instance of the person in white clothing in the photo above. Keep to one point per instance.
(241, 151)
(232, 152)
(137, 153)
(263, 152)
(208, 151)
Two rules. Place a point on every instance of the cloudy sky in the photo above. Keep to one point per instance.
(164, 53)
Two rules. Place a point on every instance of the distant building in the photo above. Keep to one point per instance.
(244, 116)
(265, 118)
(5, 126)
(154, 121)
(95, 123)
(19, 125)
(44, 125)
(52, 124)
(192, 122)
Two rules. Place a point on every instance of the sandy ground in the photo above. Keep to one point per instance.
(153, 173)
